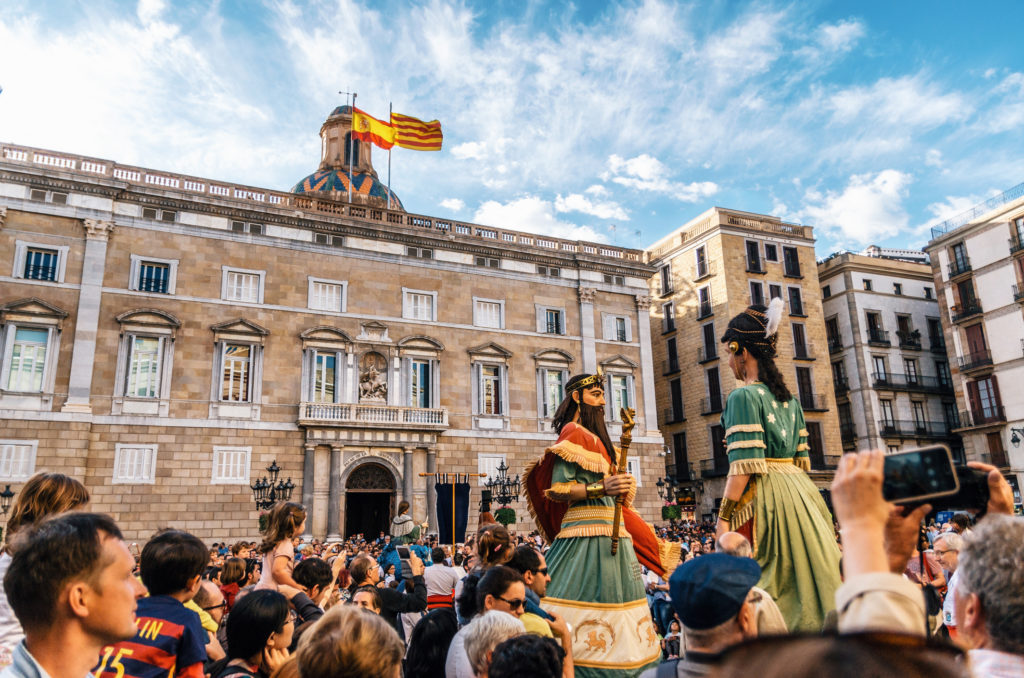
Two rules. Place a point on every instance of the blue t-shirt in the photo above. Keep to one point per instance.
(170, 638)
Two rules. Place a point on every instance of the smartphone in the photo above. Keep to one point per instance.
(403, 553)
(918, 475)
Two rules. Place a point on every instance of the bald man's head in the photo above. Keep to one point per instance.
(735, 544)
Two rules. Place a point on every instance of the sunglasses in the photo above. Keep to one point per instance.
(515, 603)
(542, 570)
(223, 603)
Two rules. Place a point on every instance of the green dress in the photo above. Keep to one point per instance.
(781, 510)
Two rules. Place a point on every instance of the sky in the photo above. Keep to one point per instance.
(614, 122)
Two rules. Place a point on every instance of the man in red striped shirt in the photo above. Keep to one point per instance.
(170, 641)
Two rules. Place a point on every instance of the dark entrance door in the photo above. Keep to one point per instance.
(369, 500)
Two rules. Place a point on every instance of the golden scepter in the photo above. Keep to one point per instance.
(627, 437)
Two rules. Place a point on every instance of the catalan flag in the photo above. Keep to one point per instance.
(415, 134)
(368, 128)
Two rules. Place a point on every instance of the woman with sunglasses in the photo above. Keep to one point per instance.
(768, 496)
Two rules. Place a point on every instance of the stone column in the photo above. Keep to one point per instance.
(643, 330)
(83, 356)
(308, 480)
(431, 496)
(334, 497)
(586, 295)
(407, 482)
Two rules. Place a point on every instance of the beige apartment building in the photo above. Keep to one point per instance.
(164, 338)
(978, 267)
(708, 271)
(890, 371)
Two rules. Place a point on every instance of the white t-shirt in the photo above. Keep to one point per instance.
(949, 605)
(10, 629)
(457, 664)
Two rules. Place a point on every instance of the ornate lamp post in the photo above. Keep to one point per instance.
(5, 500)
(267, 492)
(503, 490)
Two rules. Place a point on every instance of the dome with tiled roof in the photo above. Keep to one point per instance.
(331, 179)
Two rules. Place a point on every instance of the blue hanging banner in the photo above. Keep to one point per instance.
(452, 508)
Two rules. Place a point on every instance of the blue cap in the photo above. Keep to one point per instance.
(709, 590)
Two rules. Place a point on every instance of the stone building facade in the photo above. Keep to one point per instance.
(890, 370)
(165, 338)
(978, 267)
(708, 271)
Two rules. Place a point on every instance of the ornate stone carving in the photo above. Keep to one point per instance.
(370, 476)
(373, 332)
(643, 302)
(97, 230)
(587, 295)
(373, 378)
(3, 216)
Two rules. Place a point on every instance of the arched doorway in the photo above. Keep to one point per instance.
(369, 499)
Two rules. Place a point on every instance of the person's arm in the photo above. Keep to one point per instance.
(560, 630)
(417, 600)
(745, 446)
(282, 572)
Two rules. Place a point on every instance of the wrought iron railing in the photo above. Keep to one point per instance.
(367, 415)
(974, 361)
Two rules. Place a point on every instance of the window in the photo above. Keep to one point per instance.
(616, 327)
(672, 356)
(832, 332)
(668, 312)
(839, 373)
(325, 239)
(633, 468)
(675, 391)
(231, 465)
(34, 261)
(614, 279)
(771, 252)
(236, 373)
(159, 215)
(867, 284)
(805, 387)
(826, 291)
(153, 275)
(791, 262)
(351, 149)
(619, 394)
(881, 368)
(710, 345)
(928, 293)
(144, 367)
(959, 256)
(888, 419)
(754, 257)
(897, 288)
(942, 370)
(420, 252)
(910, 369)
(26, 359)
(553, 390)
(488, 313)
(550, 320)
(487, 465)
(935, 338)
(665, 272)
(419, 383)
(714, 403)
(490, 390)
(984, 398)
(799, 341)
(774, 292)
(550, 271)
(419, 304)
(756, 292)
(679, 456)
(815, 444)
(488, 262)
(325, 377)
(702, 262)
(134, 464)
(919, 415)
(796, 302)
(242, 285)
(42, 195)
(245, 227)
(327, 295)
(704, 302)
(17, 459)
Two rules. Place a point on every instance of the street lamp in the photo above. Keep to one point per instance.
(503, 490)
(5, 500)
(267, 492)
(1014, 437)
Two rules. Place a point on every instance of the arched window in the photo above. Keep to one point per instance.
(351, 150)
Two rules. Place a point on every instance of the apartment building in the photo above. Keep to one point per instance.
(890, 371)
(706, 272)
(978, 267)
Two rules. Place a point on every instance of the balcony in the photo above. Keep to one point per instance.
(1018, 293)
(968, 309)
(706, 354)
(670, 366)
(975, 361)
(372, 416)
(878, 338)
(910, 341)
(835, 345)
(891, 381)
(814, 402)
(841, 385)
(958, 267)
(913, 429)
(711, 405)
(937, 345)
(714, 468)
(673, 415)
(988, 416)
(1016, 245)
(705, 270)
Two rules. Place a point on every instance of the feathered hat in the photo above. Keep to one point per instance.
(755, 329)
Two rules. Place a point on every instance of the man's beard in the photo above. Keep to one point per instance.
(592, 419)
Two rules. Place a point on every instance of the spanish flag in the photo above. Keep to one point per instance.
(367, 128)
(415, 134)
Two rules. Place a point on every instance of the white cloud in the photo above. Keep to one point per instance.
(453, 204)
(596, 190)
(575, 202)
(533, 215)
(904, 102)
(647, 173)
(149, 11)
(933, 158)
(842, 36)
(470, 150)
(869, 209)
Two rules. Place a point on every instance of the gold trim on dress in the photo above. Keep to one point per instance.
(548, 600)
(745, 444)
(744, 428)
(802, 446)
(599, 530)
(803, 433)
(742, 467)
(559, 492)
(577, 454)
(669, 553)
(589, 512)
(802, 463)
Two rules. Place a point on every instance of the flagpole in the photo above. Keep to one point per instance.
(389, 159)
(351, 146)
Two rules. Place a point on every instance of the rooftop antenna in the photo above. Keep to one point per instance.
(351, 141)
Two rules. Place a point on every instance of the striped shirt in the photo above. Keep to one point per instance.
(170, 643)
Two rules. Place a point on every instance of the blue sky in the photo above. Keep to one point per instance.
(868, 121)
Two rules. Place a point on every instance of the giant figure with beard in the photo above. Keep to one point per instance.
(571, 492)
